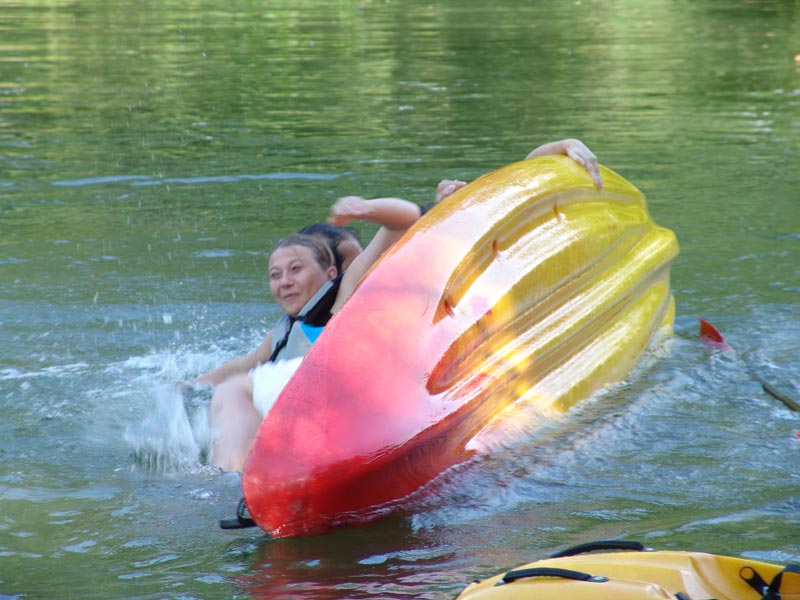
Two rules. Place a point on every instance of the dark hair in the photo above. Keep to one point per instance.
(319, 249)
(333, 236)
(426, 207)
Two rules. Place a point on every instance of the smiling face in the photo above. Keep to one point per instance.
(295, 276)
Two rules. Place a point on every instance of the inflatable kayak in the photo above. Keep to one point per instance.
(634, 574)
(519, 295)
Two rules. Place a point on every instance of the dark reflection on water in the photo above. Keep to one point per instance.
(150, 152)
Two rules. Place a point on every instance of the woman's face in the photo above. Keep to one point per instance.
(294, 276)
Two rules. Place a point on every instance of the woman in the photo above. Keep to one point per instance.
(307, 286)
(303, 280)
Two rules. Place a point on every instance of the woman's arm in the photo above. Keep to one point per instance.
(394, 215)
(577, 151)
(391, 213)
(240, 364)
(573, 148)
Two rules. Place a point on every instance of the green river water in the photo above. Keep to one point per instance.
(150, 152)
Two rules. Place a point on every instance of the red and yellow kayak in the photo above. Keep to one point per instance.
(518, 296)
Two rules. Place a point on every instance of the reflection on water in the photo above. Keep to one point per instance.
(150, 153)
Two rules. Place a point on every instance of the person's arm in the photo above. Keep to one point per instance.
(394, 215)
(240, 364)
(573, 148)
(577, 151)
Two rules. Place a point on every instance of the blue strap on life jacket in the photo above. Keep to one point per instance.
(312, 332)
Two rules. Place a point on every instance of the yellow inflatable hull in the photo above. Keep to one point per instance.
(635, 576)
(561, 294)
(509, 302)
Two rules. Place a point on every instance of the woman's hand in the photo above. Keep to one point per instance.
(448, 187)
(577, 151)
(348, 208)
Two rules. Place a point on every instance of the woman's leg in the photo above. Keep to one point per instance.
(234, 422)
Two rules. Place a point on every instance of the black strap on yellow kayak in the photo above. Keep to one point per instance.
(600, 545)
(550, 572)
(240, 521)
(753, 579)
(779, 588)
(784, 585)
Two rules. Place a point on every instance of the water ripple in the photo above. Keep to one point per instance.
(144, 180)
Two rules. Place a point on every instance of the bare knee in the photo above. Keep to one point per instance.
(234, 422)
(233, 391)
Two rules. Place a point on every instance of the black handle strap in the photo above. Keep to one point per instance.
(240, 521)
(550, 572)
(599, 545)
(753, 579)
(776, 590)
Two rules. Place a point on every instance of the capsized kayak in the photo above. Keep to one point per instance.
(639, 575)
(519, 295)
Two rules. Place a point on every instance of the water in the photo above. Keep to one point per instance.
(151, 152)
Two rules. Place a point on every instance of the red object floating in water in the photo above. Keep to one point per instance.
(492, 308)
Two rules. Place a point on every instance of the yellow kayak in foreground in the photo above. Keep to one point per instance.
(639, 575)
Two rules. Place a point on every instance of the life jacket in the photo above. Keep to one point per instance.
(292, 336)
